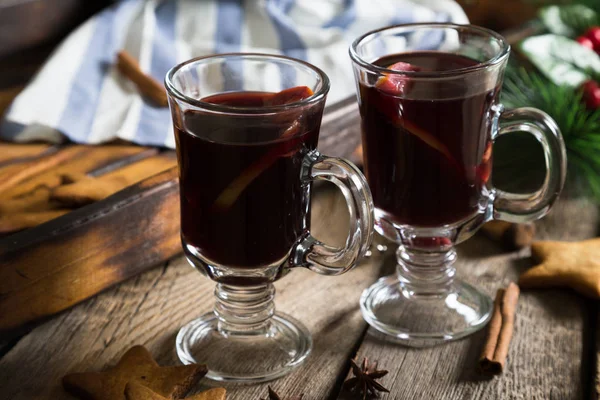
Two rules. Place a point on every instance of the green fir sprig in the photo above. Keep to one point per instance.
(580, 127)
(593, 4)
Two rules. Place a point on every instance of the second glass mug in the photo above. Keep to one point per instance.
(429, 102)
(246, 164)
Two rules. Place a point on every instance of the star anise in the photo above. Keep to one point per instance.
(275, 396)
(364, 379)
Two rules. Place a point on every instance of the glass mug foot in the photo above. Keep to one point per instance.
(282, 346)
(424, 320)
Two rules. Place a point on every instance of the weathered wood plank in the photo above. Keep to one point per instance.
(10, 153)
(595, 361)
(340, 130)
(49, 268)
(84, 160)
(545, 357)
(150, 308)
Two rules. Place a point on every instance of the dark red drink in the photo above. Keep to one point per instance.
(427, 144)
(242, 201)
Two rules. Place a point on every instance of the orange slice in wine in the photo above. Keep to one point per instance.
(484, 169)
(428, 138)
(233, 191)
(289, 96)
(399, 85)
(396, 84)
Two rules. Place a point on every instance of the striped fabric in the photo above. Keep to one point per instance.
(79, 93)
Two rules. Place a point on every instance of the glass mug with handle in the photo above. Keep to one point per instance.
(246, 128)
(429, 103)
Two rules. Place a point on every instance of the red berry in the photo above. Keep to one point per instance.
(594, 35)
(591, 94)
(431, 242)
(585, 42)
(483, 172)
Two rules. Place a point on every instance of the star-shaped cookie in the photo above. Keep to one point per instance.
(137, 365)
(565, 264)
(135, 391)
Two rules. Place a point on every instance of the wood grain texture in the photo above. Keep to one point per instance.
(548, 357)
(545, 358)
(76, 159)
(150, 308)
(49, 268)
(340, 129)
(12, 175)
(31, 201)
(89, 190)
(18, 221)
(14, 152)
(595, 361)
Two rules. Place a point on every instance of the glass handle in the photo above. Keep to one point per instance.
(323, 258)
(525, 207)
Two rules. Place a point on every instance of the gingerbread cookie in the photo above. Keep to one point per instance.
(135, 391)
(565, 264)
(137, 365)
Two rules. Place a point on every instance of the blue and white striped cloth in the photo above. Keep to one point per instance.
(79, 93)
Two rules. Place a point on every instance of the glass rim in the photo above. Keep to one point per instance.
(314, 98)
(497, 59)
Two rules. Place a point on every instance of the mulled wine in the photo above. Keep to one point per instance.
(427, 144)
(243, 203)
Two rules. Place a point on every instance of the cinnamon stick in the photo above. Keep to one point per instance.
(511, 236)
(231, 193)
(500, 331)
(14, 174)
(357, 155)
(15, 152)
(89, 159)
(37, 200)
(146, 84)
(86, 190)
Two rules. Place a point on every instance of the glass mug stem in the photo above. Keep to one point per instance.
(423, 274)
(244, 310)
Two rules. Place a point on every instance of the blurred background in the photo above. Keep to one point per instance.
(31, 29)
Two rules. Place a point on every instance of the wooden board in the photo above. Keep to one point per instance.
(48, 269)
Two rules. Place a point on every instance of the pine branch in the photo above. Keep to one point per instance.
(593, 4)
(580, 127)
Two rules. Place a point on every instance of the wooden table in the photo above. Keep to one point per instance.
(552, 356)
